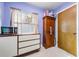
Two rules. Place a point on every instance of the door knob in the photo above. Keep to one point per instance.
(74, 33)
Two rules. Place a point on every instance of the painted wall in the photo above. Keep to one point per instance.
(26, 8)
(1, 14)
(62, 6)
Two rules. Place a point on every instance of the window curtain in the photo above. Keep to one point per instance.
(27, 23)
(15, 17)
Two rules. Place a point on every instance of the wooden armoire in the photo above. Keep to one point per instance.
(48, 31)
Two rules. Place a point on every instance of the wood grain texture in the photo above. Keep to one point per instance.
(48, 39)
(67, 30)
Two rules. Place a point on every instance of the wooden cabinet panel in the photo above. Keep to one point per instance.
(67, 30)
(48, 31)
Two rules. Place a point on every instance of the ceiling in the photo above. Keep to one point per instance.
(46, 5)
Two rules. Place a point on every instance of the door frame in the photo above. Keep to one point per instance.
(76, 25)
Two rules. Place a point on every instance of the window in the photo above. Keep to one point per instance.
(27, 23)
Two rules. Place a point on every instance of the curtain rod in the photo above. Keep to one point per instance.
(15, 8)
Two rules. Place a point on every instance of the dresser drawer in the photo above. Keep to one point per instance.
(27, 43)
(28, 37)
(28, 49)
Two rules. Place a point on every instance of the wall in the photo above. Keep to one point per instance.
(62, 6)
(25, 7)
(1, 13)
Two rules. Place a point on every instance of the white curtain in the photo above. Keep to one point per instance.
(27, 23)
(15, 17)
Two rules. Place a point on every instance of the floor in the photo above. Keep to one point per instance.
(51, 52)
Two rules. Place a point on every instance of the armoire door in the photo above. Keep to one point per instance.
(48, 31)
(67, 30)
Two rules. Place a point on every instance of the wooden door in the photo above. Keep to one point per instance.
(67, 30)
(48, 31)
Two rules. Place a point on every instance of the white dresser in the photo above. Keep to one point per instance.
(28, 43)
(19, 44)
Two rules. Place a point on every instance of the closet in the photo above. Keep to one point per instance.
(67, 30)
(48, 31)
